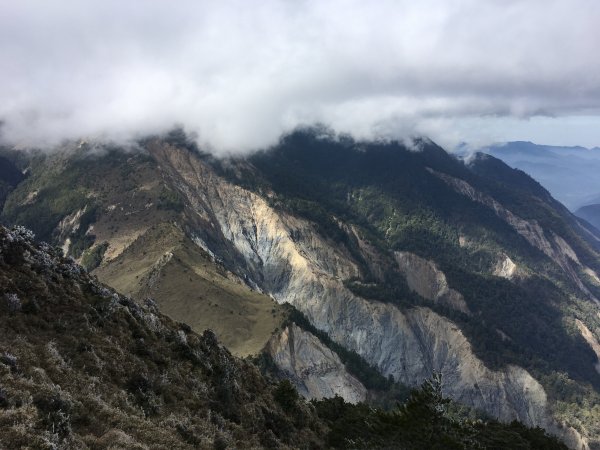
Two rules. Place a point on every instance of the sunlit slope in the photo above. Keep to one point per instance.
(189, 287)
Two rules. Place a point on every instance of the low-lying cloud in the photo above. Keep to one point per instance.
(240, 73)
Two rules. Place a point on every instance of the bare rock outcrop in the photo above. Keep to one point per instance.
(316, 371)
(505, 268)
(429, 282)
(288, 259)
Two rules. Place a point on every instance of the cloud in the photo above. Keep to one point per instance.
(240, 73)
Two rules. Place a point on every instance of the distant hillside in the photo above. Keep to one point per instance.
(591, 213)
(569, 173)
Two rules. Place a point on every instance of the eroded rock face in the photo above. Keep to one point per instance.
(289, 260)
(591, 340)
(556, 248)
(316, 371)
(428, 281)
(68, 225)
(505, 268)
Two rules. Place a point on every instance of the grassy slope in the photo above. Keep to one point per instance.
(190, 287)
(122, 194)
(129, 197)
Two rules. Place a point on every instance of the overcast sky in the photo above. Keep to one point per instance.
(240, 73)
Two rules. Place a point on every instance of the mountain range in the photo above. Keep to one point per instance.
(352, 269)
(569, 173)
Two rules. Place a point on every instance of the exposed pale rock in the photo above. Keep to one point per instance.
(293, 263)
(505, 268)
(503, 335)
(591, 340)
(66, 246)
(377, 263)
(428, 281)
(592, 274)
(68, 225)
(31, 197)
(565, 248)
(316, 371)
(156, 269)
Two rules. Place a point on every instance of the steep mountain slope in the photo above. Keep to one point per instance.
(104, 205)
(84, 367)
(406, 258)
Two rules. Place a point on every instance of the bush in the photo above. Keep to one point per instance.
(286, 395)
(13, 302)
(92, 257)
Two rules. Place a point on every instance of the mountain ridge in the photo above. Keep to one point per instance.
(568, 172)
(315, 222)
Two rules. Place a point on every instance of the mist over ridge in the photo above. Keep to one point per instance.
(465, 70)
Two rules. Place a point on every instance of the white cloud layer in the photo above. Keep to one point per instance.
(239, 73)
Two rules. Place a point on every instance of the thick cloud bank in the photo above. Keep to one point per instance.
(239, 73)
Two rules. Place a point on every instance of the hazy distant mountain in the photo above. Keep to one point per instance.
(591, 213)
(569, 173)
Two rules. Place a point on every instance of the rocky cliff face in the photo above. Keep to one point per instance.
(289, 260)
(84, 367)
(316, 371)
(429, 282)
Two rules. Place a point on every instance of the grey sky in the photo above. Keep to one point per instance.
(239, 73)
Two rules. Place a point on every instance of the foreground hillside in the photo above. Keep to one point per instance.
(398, 262)
(84, 367)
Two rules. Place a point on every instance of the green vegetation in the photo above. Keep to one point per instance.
(92, 257)
(10, 177)
(170, 200)
(52, 189)
(390, 195)
(423, 422)
(286, 395)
